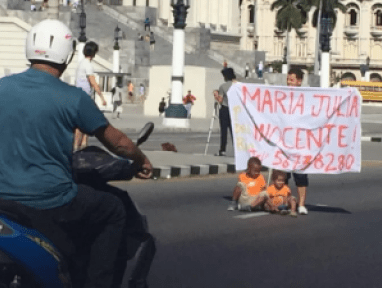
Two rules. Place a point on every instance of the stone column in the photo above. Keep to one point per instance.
(244, 26)
(141, 3)
(364, 29)
(154, 3)
(53, 10)
(127, 3)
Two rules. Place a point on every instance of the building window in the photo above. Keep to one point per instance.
(301, 47)
(353, 17)
(134, 2)
(378, 18)
(279, 46)
(252, 14)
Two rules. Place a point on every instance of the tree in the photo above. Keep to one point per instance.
(324, 9)
(291, 14)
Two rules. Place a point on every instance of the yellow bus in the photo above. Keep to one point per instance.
(370, 91)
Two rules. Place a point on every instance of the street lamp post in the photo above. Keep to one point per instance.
(326, 32)
(176, 113)
(116, 47)
(367, 74)
(364, 68)
(82, 39)
(284, 69)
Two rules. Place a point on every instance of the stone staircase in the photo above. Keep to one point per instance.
(164, 40)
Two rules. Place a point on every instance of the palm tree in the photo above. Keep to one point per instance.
(291, 14)
(324, 9)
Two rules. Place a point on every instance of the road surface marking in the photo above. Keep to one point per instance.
(251, 215)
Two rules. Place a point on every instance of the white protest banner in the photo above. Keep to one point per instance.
(301, 129)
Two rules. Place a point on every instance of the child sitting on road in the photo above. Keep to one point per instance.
(279, 193)
(250, 192)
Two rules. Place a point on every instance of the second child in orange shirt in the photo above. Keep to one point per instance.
(279, 194)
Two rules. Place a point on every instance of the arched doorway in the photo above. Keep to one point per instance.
(348, 76)
(375, 77)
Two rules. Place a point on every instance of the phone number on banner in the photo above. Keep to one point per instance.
(328, 162)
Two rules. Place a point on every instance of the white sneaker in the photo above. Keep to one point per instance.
(246, 208)
(232, 206)
(302, 210)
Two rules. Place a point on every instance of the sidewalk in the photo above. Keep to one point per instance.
(133, 122)
(174, 164)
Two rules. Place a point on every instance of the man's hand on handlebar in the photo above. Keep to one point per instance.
(146, 171)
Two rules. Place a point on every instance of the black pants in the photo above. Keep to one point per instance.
(96, 222)
(225, 124)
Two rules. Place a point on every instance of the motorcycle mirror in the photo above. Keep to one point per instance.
(145, 133)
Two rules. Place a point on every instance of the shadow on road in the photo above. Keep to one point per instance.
(326, 209)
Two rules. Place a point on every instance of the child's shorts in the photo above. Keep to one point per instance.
(248, 199)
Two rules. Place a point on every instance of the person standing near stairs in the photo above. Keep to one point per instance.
(224, 115)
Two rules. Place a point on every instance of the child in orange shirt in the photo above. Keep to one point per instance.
(250, 191)
(280, 194)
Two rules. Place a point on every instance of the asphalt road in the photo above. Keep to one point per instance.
(201, 244)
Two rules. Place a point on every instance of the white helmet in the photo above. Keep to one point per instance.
(51, 41)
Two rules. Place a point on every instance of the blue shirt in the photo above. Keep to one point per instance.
(38, 115)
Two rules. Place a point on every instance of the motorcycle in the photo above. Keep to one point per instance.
(33, 249)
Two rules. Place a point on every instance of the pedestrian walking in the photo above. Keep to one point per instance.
(130, 88)
(147, 24)
(85, 79)
(100, 4)
(44, 5)
(188, 101)
(142, 95)
(75, 4)
(33, 5)
(260, 69)
(117, 99)
(246, 70)
(162, 107)
(224, 116)
(225, 66)
(152, 41)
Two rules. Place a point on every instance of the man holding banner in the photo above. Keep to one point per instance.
(294, 79)
(301, 130)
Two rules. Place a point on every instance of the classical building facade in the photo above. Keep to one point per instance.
(356, 36)
(218, 15)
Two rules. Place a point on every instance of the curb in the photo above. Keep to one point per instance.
(168, 172)
(371, 139)
(190, 170)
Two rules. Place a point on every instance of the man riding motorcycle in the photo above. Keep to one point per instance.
(38, 115)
